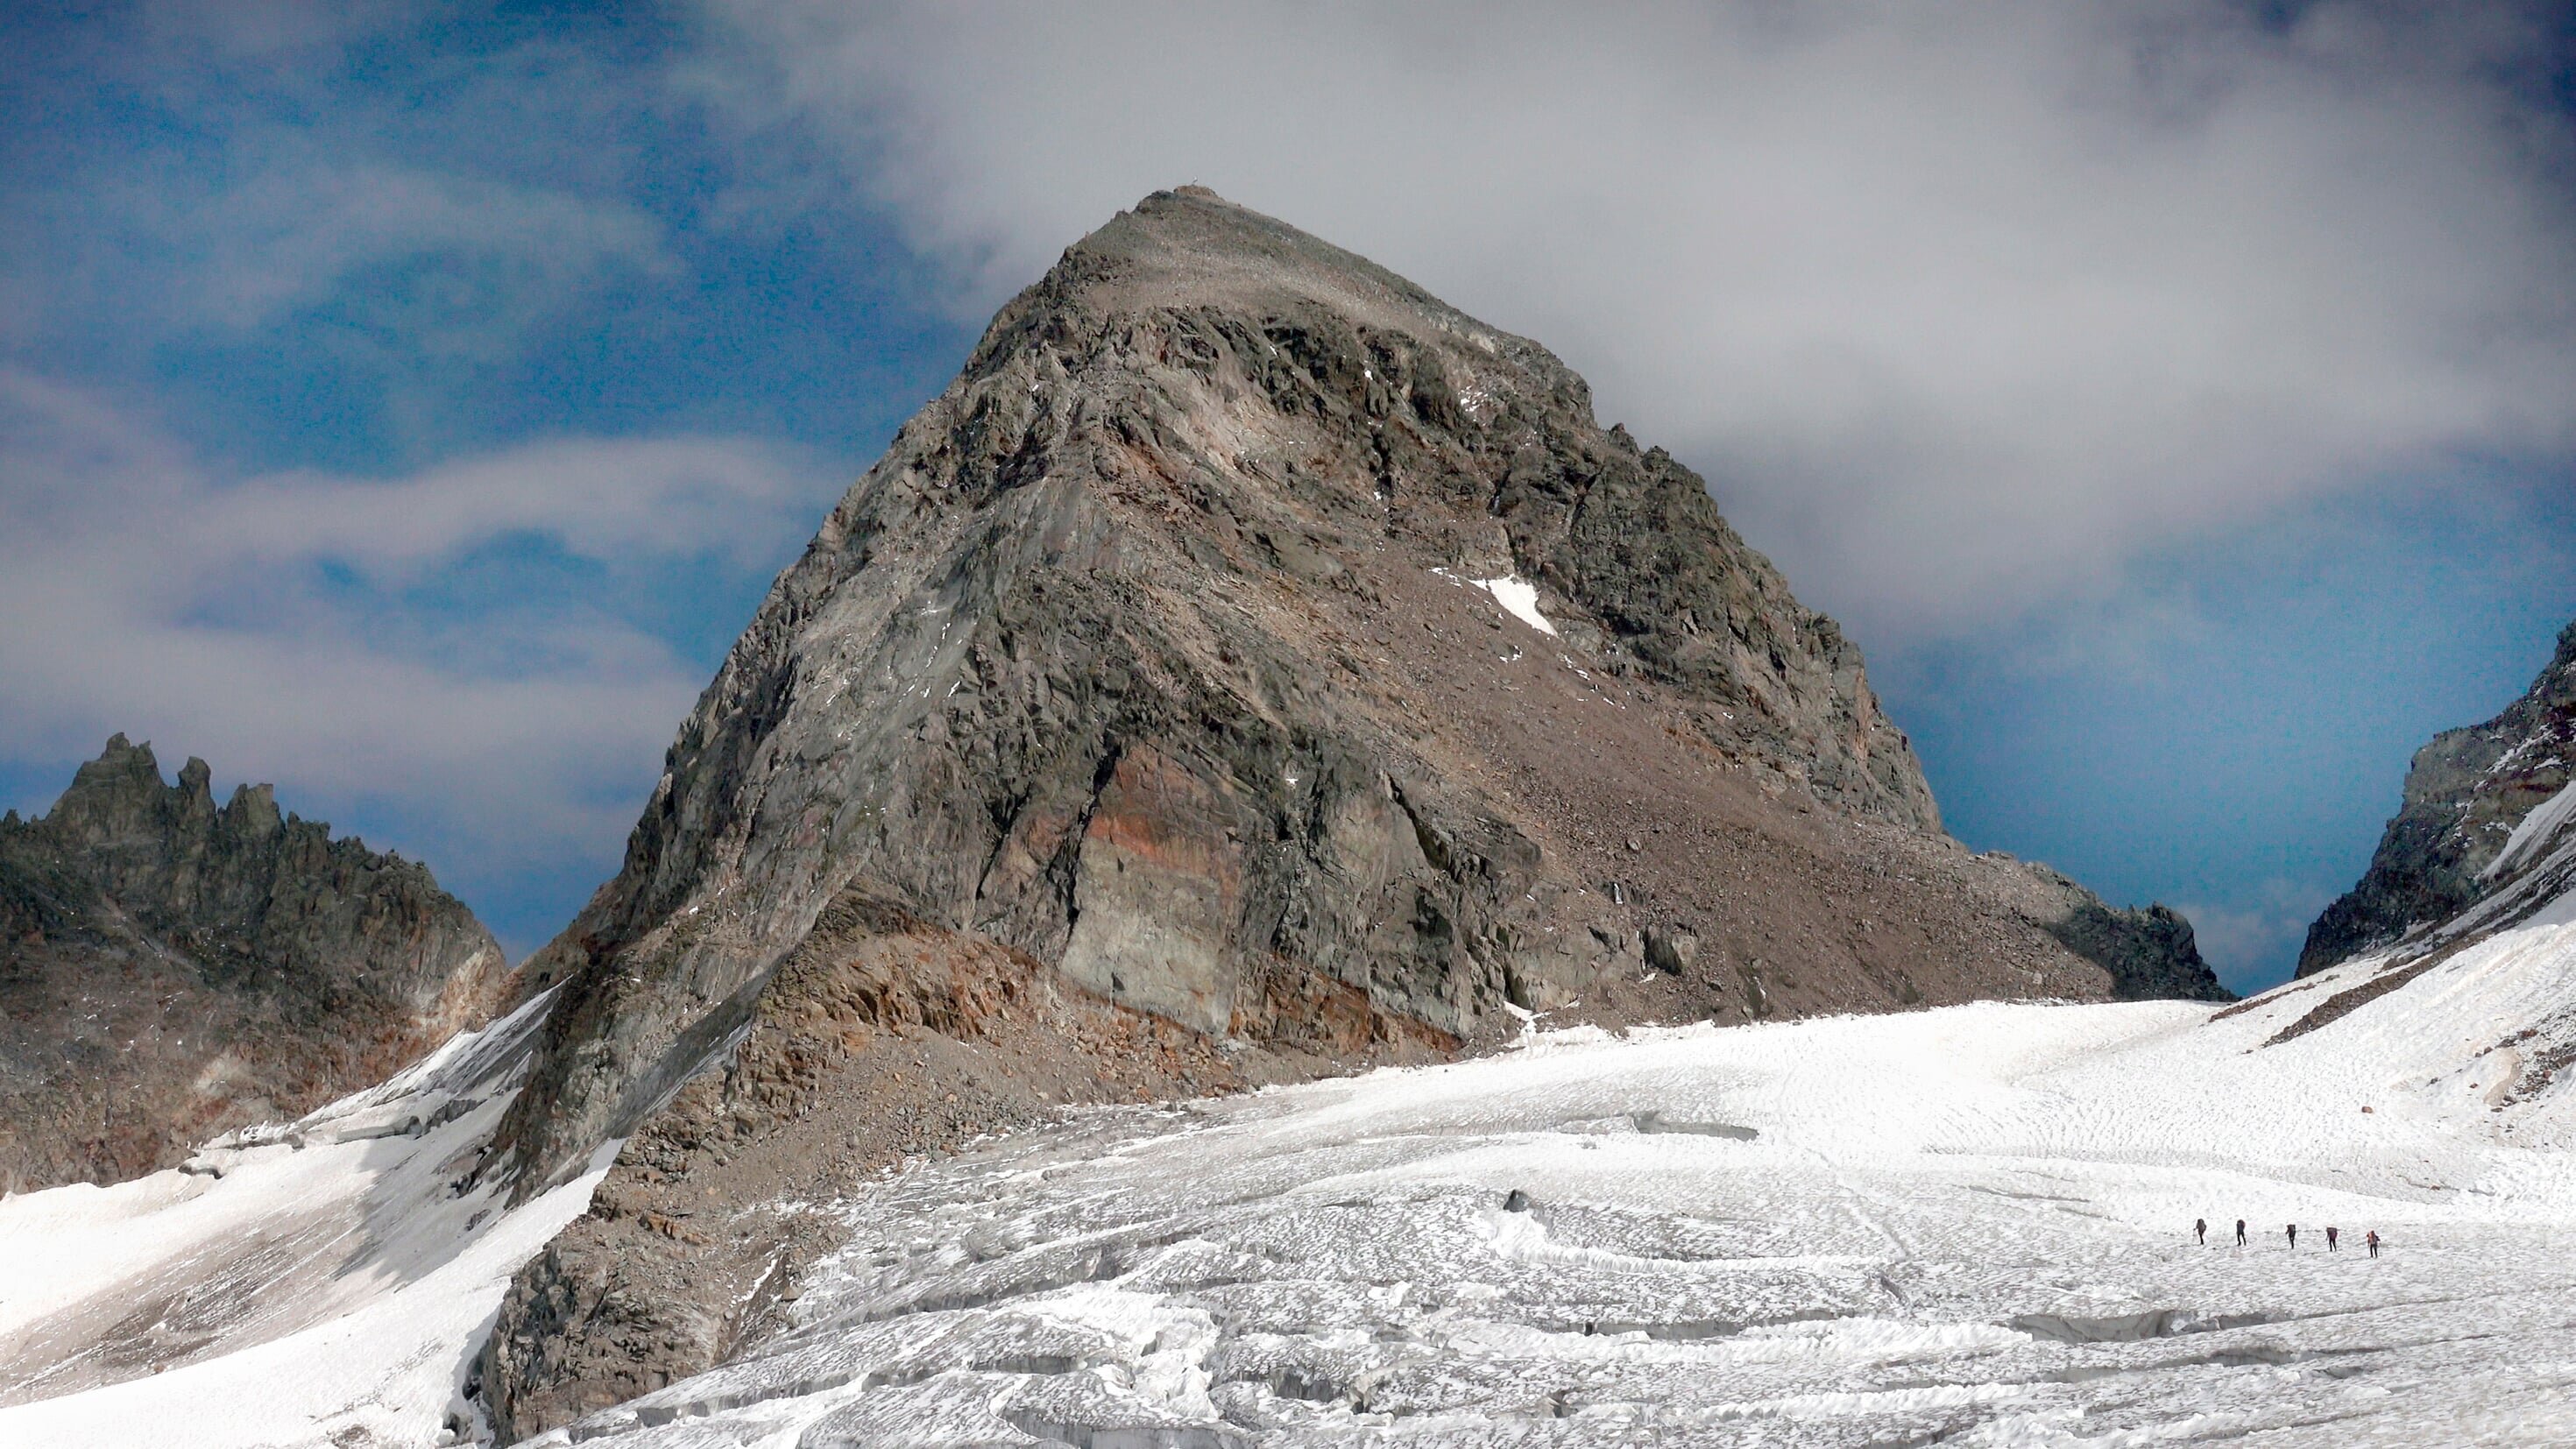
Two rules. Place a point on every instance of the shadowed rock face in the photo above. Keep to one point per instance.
(170, 969)
(2150, 952)
(2465, 792)
(1157, 656)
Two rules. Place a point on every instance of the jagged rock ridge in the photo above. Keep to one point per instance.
(2468, 894)
(1178, 648)
(2465, 793)
(170, 968)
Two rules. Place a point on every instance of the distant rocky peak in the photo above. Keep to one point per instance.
(120, 790)
(247, 879)
(2556, 687)
(169, 968)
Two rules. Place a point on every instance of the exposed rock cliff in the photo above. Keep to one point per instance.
(884, 1038)
(170, 969)
(1262, 647)
(2149, 951)
(2465, 794)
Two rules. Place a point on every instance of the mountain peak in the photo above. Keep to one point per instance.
(168, 969)
(1273, 656)
(1188, 242)
(1191, 249)
(1230, 554)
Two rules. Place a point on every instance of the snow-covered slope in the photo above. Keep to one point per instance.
(322, 1282)
(2494, 1011)
(1970, 1225)
(1974, 1223)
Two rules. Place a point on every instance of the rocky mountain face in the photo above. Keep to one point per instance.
(2150, 952)
(171, 968)
(2469, 894)
(1249, 653)
(2466, 792)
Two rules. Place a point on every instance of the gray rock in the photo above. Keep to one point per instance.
(1057, 668)
(2150, 952)
(1074, 666)
(1671, 950)
(170, 969)
(2465, 792)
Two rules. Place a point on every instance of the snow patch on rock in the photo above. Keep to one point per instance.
(2533, 834)
(1518, 596)
(1519, 599)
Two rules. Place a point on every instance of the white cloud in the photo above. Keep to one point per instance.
(405, 259)
(260, 32)
(1960, 306)
(141, 592)
(318, 163)
(297, 233)
(604, 498)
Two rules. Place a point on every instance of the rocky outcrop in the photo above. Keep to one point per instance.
(2465, 793)
(2150, 953)
(2478, 862)
(171, 968)
(1250, 644)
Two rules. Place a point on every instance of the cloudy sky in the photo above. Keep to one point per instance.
(2177, 399)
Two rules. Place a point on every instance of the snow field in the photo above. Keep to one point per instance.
(1971, 1223)
(384, 1373)
(327, 1288)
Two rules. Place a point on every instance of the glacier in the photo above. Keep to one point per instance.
(1969, 1225)
(321, 1282)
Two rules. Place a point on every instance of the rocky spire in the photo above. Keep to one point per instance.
(169, 969)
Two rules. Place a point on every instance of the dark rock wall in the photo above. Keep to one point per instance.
(170, 968)
(2149, 952)
(2465, 792)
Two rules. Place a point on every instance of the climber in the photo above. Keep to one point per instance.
(2333, 1234)
(2240, 1232)
(2373, 1240)
(2294, 1236)
(2200, 1230)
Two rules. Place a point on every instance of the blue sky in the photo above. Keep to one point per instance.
(408, 403)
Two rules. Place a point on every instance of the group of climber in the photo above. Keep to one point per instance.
(2334, 1236)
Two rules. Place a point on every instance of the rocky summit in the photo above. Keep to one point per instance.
(1248, 667)
(2466, 794)
(171, 969)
